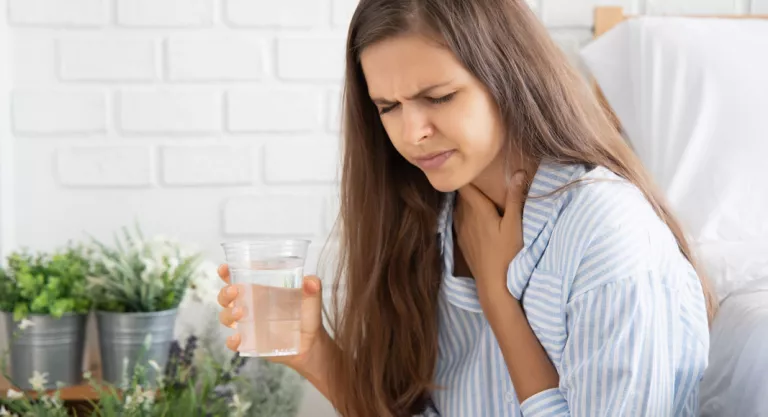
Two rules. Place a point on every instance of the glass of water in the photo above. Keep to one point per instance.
(268, 275)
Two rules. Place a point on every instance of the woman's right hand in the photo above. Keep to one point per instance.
(313, 334)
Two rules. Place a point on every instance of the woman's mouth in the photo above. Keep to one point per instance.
(434, 160)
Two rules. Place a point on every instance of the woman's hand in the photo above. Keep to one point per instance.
(313, 334)
(487, 240)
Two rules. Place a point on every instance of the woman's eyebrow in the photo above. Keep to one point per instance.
(421, 93)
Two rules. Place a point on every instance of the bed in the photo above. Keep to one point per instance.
(691, 96)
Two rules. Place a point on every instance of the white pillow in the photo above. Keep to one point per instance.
(692, 96)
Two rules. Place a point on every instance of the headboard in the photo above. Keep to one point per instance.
(607, 17)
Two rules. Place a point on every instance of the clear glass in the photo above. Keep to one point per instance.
(268, 275)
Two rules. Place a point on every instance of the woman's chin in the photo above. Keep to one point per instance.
(445, 183)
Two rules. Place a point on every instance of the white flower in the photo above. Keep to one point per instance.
(156, 366)
(87, 375)
(148, 396)
(239, 408)
(150, 269)
(140, 396)
(25, 324)
(4, 412)
(14, 395)
(173, 263)
(38, 380)
(52, 401)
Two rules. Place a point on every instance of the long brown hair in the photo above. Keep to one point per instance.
(385, 294)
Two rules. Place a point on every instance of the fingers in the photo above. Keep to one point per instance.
(513, 212)
(233, 342)
(230, 316)
(227, 296)
(516, 191)
(224, 272)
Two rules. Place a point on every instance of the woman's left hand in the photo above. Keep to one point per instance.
(487, 240)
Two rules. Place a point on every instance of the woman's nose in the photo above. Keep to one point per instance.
(416, 126)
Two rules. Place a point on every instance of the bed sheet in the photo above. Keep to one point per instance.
(736, 380)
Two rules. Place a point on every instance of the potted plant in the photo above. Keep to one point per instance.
(193, 383)
(44, 303)
(137, 286)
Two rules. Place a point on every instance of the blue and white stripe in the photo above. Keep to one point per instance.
(617, 307)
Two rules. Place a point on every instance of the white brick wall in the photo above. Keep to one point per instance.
(204, 119)
(169, 111)
(205, 165)
(104, 166)
(215, 58)
(56, 112)
(107, 58)
(169, 13)
(58, 13)
(278, 14)
(275, 109)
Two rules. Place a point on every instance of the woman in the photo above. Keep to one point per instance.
(504, 251)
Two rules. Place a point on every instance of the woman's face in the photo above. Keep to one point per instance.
(438, 116)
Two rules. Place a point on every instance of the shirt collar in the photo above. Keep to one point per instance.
(540, 210)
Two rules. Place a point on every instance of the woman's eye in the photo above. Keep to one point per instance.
(443, 99)
(387, 109)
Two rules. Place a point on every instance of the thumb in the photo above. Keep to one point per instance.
(312, 302)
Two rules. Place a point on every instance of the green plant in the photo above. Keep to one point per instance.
(45, 283)
(193, 384)
(21, 404)
(17, 403)
(140, 275)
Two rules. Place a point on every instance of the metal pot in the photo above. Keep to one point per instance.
(122, 338)
(49, 345)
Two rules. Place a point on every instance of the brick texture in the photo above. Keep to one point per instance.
(279, 14)
(202, 165)
(58, 13)
(301, 160)
(105, 59)
(215, 58)
(56, 113)
(274, 110)
(104, 166)
(310, 58)
(273, 215)
(169, 111)
(173, 13)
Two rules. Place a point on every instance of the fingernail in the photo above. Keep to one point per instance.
(519, 178)
(232, 291)
(237, 311)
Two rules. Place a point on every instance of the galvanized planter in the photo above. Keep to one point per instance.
(49, 345)
(122, 337)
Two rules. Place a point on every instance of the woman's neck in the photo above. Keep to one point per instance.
(492, 181)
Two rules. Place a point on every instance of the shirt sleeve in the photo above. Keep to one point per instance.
(626, 355)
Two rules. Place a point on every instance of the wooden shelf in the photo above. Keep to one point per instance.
(82, 392)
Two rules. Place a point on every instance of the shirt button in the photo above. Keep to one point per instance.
(510, 397)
